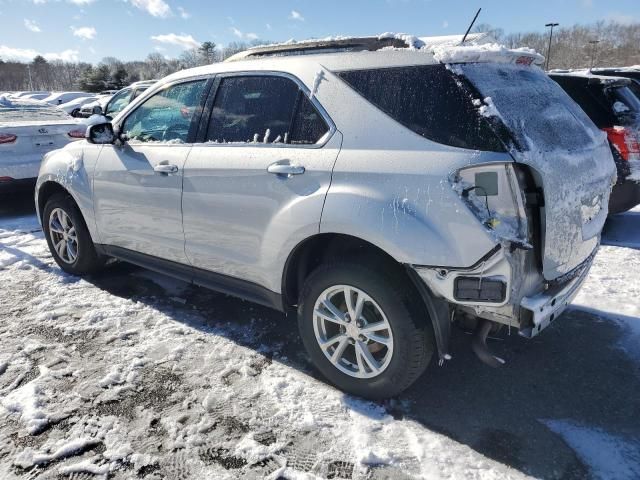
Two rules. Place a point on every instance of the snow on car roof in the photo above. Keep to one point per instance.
(25, 110)
(446, 49)
(589, 75)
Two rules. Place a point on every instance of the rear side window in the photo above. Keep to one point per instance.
(264, 109)
(427, 100)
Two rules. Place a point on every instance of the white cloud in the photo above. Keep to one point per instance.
(66, 55)
(86, 33)
(587, 3)
(183, 13)
(156, 8)
(245, 36)
(28, 54)
(184, 41)
(81, 2)
(296, 15)
(269, 27)
(32, 25)
(445, 24)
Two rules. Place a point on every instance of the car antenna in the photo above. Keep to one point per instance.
(470, 26)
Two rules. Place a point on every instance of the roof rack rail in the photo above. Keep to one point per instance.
(355, 44)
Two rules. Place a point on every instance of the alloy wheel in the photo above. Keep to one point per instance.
(63, 235)
(352, 331)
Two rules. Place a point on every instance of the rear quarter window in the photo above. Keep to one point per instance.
(428, 100)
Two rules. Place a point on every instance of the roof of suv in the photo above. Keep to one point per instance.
(388, 50)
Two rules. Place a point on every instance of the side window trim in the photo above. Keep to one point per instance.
(206, 117)
(195, 120)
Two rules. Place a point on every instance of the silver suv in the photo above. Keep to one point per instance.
(379, 190)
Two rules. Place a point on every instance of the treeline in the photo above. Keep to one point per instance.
(608, 44)
(618, 44)
(110, 73)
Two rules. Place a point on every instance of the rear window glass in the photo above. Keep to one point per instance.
(428, 100)
(624, 105)
(16, 110)
(537, 112)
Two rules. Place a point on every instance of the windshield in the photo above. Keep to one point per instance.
(17, 110)
(537, 112)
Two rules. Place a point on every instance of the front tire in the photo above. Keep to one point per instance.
(363, 330)
(67, 235)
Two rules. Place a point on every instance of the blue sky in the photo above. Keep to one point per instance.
(89, 30)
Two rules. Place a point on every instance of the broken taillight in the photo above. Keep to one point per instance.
(7, 138)
(626, 141)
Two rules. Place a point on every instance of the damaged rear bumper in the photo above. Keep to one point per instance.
(529, 303)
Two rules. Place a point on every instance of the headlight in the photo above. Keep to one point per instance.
(492, 193)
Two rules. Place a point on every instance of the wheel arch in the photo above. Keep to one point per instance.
(325, 247)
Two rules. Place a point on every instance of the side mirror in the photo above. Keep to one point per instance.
(101, 134)
(97, 110)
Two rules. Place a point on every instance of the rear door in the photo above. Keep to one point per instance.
(138, 185)
(256, 185)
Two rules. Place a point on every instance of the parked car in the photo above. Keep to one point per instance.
(28, 130)
(28, 93)
(59, 98)
(119, 100)
(615, 109)
(73, 107)
(92, 108)
(36, 96)
(377, 193)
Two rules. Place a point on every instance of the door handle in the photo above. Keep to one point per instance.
(285, 169)
(165, 168)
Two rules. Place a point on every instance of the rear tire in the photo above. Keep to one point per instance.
(68, 238)
(399, 354)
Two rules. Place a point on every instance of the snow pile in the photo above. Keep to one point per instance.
(412, 41)
(491, 52)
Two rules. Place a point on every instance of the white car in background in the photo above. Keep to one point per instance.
(73, 107)
(28, 93)
(36, 96)
(59, 98)
(28, 130)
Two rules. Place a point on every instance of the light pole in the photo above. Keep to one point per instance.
(550, 37)
(594, 49)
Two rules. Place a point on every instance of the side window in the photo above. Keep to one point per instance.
(166, 116)
(308, 125)
(263, 109)
(428, 101)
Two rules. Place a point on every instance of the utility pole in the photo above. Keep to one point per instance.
(550, 37)
(594, 50)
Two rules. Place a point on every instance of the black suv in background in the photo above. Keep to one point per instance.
(627, 72)
(613, 106)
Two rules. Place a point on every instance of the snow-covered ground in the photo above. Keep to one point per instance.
(130, 374)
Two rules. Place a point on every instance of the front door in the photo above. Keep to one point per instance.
(138, 185)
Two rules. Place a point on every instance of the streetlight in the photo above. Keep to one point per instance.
(550, 37)
(594, 50)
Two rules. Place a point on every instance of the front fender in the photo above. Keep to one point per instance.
(71, 168)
